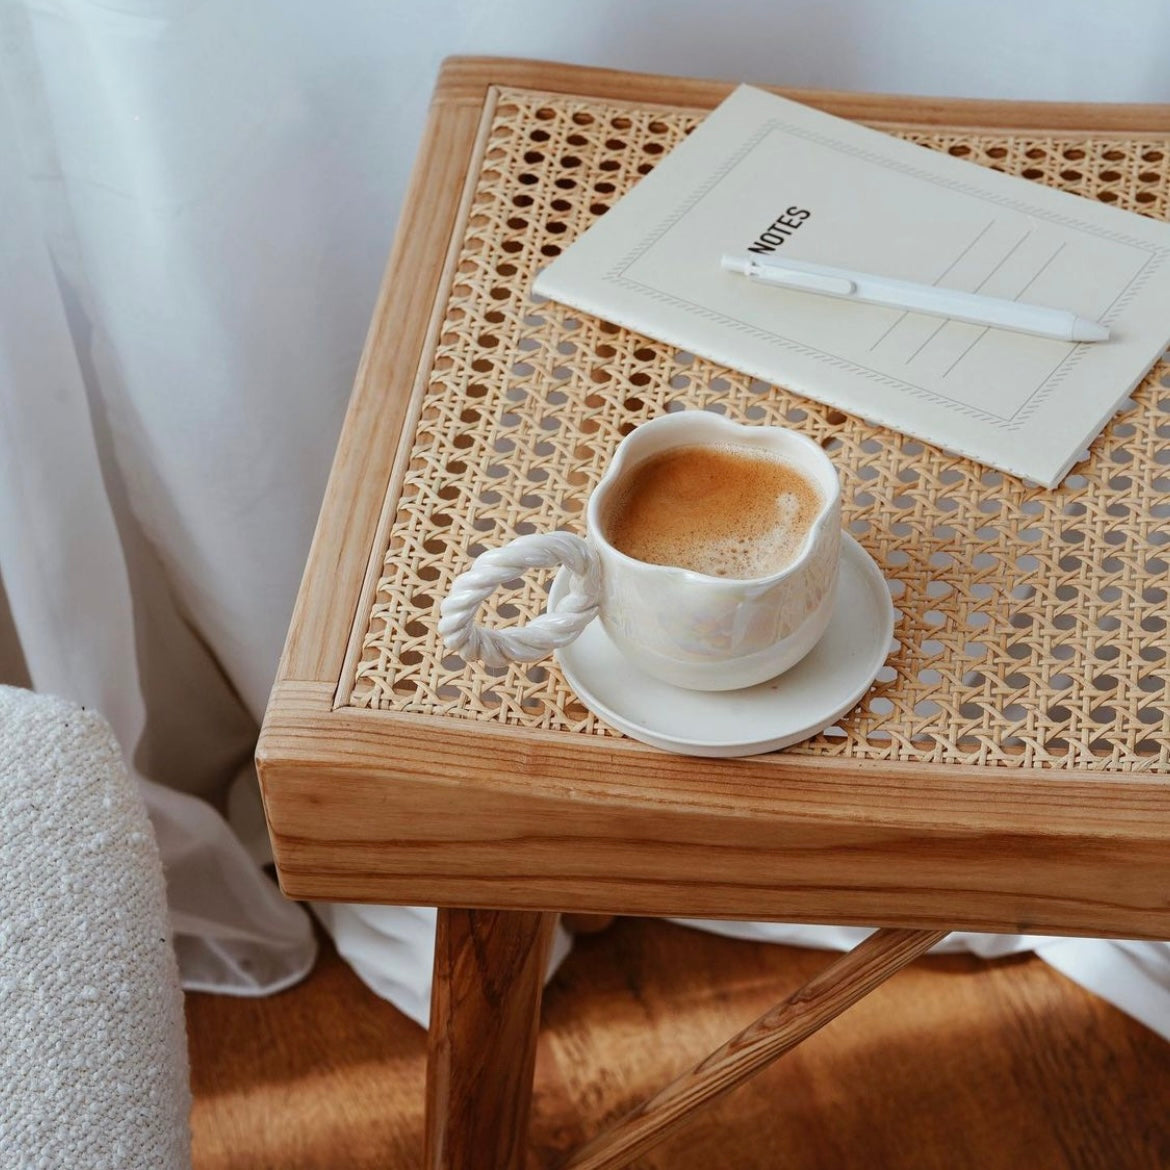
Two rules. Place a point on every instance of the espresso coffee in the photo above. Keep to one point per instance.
(722, 510)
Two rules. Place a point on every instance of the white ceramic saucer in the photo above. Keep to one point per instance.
(811, 696)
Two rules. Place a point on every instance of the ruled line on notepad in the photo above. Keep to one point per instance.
(979, 337)
(989, 225)
(978, 288)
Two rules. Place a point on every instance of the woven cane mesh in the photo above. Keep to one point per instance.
(1032, 623)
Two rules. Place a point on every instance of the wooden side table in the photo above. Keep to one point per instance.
(1006, 773)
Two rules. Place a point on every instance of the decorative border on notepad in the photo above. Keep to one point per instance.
(1156, 257)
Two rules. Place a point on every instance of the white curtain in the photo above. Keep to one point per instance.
(196, 202)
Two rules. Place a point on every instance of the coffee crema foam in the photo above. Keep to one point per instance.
(720, 509)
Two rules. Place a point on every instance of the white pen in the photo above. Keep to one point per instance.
(918, 298)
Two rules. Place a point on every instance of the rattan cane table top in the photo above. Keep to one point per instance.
(1032, 624)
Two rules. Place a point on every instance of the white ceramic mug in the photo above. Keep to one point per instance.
(686, 628)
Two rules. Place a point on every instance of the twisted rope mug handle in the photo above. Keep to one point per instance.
(544, 634)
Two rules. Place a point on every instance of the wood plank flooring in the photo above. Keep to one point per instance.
(954, 1063)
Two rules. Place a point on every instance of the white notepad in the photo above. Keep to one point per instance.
(740, 183)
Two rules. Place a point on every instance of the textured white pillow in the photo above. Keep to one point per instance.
(93, 1051)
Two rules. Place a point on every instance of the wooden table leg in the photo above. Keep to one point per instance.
(485, 1011)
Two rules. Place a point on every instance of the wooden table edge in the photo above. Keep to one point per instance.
(464, 78)
(393, 807)
(303, 709)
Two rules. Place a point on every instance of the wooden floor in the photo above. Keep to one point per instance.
(955, 1063)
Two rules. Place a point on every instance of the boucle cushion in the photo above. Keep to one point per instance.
(93, 1054)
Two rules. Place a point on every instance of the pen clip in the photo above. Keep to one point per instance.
(809, 281)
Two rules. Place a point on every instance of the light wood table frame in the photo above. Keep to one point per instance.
(504, 828)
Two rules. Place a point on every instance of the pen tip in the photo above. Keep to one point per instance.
(736, 264)
(1084, 330)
